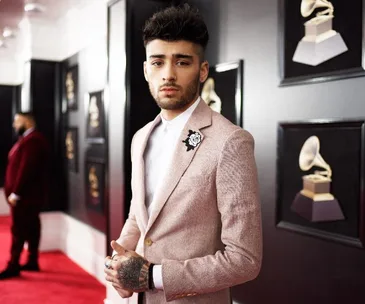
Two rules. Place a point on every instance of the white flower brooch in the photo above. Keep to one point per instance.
(193, 140)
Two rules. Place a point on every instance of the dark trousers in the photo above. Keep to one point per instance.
(26, 227)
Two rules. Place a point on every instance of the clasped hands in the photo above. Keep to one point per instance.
(127, 271)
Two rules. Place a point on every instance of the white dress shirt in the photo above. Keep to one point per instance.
(158, 155)
(13, 195)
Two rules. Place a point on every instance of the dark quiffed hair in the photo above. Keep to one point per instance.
(177, 23)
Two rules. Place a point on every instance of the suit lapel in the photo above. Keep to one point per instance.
(200, 118)
(140, 174)
(15, 147)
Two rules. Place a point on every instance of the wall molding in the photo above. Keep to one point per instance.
(4, 207)
(81, 243)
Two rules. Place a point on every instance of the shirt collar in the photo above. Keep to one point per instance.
(27, 132)
(180, 120)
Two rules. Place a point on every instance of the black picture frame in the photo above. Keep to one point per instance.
(72, 149)
(72, 87)
(341, 146)
(225, 83)
(95, 185)
(95, 117)
(348, 23)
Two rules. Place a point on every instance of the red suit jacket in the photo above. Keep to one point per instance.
(27, 169)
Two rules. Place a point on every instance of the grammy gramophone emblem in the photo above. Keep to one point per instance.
(210, 96)
(70, 89)
(94, 184)
(320, 42)
(315, 202)
(94, 113)
(69, 146)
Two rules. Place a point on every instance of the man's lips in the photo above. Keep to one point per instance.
(169, 89)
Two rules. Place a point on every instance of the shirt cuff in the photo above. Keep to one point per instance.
(157, 277)
(14, 196)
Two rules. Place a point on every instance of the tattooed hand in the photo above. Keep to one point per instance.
(128, 270)
(133, 274)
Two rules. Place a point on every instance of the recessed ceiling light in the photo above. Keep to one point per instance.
(34, 7)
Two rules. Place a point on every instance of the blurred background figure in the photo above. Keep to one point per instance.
(26, 191)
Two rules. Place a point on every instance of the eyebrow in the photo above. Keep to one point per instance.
(177, 56)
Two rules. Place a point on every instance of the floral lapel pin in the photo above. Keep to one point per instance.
(193, 140)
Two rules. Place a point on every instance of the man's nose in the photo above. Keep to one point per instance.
(169, 73)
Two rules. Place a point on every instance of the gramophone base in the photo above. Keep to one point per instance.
(314, 53)
(317, 211)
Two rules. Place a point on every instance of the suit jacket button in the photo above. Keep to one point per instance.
(148, 242)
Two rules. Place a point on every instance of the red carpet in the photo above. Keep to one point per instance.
(60, 281)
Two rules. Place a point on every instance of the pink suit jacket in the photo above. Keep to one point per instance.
(205, 228)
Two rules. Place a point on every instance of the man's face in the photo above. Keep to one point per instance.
(174, 73)
(19, 124)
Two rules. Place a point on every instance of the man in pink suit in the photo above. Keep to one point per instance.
(194, 227)
(26, 190)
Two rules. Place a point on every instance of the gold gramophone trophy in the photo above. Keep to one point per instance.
(315, 202)
(70, 88)
(69, 146)
(320, 42)
(94, 112)
(210, 97)
(94, 183)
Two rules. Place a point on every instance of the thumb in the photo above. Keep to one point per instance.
(118, 248)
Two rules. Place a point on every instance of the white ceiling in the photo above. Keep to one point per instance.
(12, 11)
(65, 28)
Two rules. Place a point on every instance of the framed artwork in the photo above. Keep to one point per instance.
(71, 87)
(320, 40)
(95, 185)
(320, 179)
(223, 90)
(95, 128)
(72, 149)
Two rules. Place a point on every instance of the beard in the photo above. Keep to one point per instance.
(20, 131)
(175, 103)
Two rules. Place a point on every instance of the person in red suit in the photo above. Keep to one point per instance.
(26, 191)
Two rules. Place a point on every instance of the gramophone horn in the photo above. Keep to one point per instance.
(308, 6)
(310, 156)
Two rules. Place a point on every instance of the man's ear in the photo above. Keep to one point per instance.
(204, 71)
(145, 70)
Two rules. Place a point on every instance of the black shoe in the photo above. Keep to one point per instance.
(30, 267)
(9, 273)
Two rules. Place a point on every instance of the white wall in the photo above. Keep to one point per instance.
(75, 31)
(4, 207)
(81, 243)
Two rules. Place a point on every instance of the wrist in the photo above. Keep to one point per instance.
(145, 280)
(151, 284)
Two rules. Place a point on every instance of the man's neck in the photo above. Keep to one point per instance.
(28, 131)
(171, 114)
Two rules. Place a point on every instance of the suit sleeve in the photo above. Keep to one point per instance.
(130, 233)
(239, 206)
(31, 159)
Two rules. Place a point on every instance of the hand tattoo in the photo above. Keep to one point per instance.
(134, 274)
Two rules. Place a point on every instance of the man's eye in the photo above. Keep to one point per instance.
(182, 63)
(156, 63)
